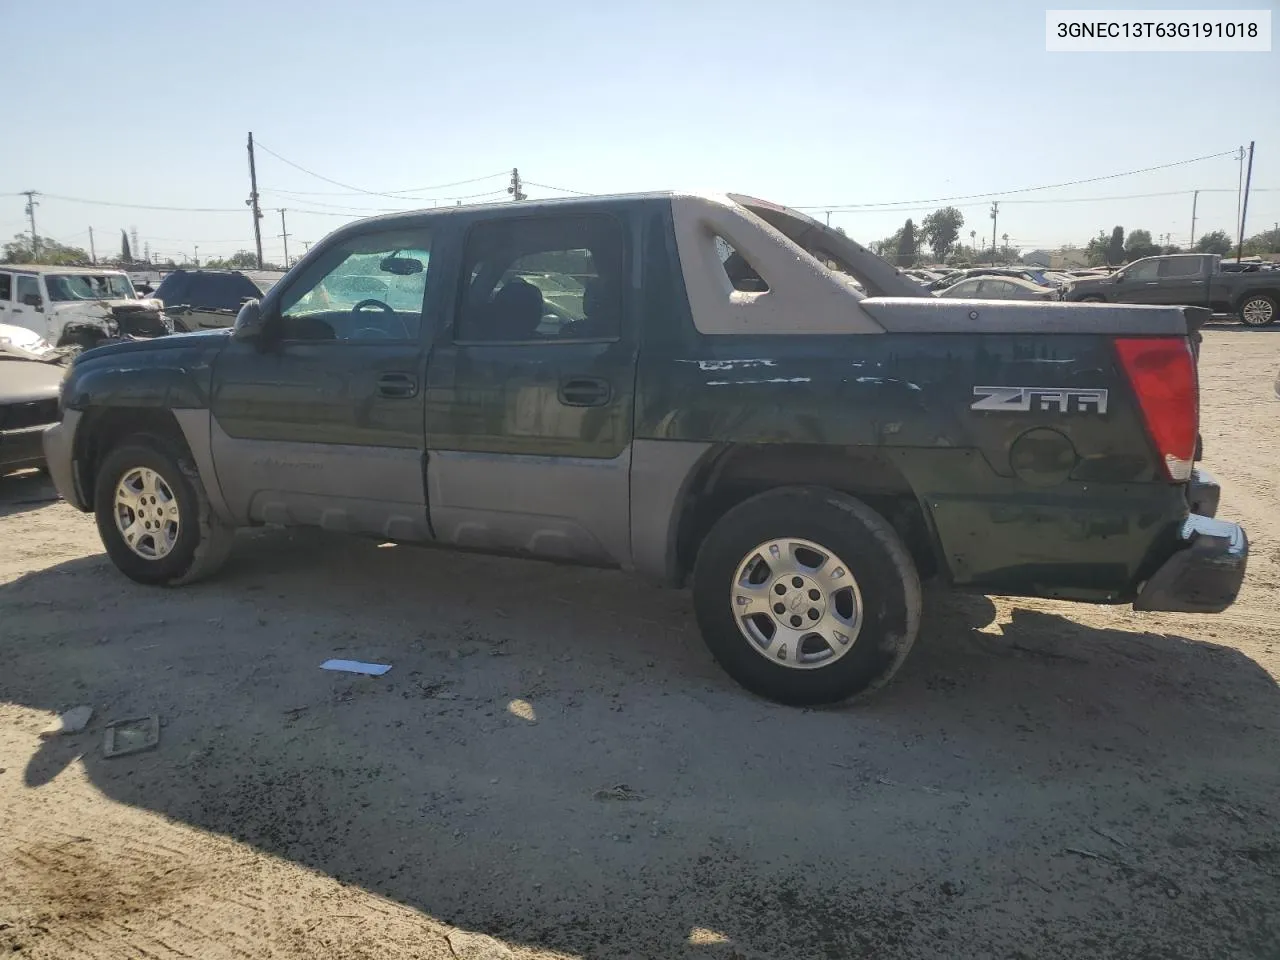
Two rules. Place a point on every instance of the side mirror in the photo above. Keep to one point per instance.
(250, 321)
(33, 300)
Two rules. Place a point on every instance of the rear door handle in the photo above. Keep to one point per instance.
(585, 392)
(398, 385)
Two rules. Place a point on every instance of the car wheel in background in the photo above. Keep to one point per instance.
(1258, 310)
(805, 595)
(154, 516)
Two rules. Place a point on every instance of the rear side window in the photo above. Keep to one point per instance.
(742, 275)
(542, 280)
(27, 288)
(1180, 267)
(6, 286)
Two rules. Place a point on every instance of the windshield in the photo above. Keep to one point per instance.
(84, 286)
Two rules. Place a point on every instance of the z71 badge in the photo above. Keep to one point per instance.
(1040, 399)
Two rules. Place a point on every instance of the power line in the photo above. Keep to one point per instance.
(393, 194)
(420, 200)
(141, 206)
(1002, 193)
(547, 186)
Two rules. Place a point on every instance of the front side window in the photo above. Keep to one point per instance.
(1143, 271)
(368, 287)
(541, 280)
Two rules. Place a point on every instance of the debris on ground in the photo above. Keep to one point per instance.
(356, 666)
(619, 791)
(134, 735)
(73, 721)
(477, 946)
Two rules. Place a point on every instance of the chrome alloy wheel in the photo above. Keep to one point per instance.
(146, 512)
(796, 603)
(1258, 312)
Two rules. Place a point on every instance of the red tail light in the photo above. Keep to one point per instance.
(1162, 372)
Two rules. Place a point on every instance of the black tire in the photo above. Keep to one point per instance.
(203, 541)
(862, 540)
(1259, 305)
(1093, 298)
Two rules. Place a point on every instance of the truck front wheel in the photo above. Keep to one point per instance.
(1258, 310)
(805, 596)
(154, 516)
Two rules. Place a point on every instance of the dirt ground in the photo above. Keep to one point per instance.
(555, 767)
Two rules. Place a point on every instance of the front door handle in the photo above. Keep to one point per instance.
(398, 385)
(585, 392)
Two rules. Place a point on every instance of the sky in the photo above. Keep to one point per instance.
(812, 104)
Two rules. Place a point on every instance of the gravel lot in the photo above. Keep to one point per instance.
(555, 767)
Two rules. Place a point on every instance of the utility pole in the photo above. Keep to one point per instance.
(1005, 238)
(284, 235)
(1239, 182)
(973, 243)
(252, 202)
(197, 256)
(995, 219)
(306, 245)
(1244, 207)
(514, 189)
(93, 254)
(828, 213)
(32, 203)
(1195, 198)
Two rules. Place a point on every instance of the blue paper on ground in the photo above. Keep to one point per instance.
(356, 666)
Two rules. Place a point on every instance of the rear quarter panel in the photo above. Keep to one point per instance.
(1081, 513)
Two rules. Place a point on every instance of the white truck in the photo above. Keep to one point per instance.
(77, 306)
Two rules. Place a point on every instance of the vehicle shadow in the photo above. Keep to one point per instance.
(24, 491)
(554, 759)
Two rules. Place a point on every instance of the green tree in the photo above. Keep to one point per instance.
(1216, 242)
(940, 230)
(1095, 252)
(240, 260)
(1139, 245)
(907, 245)
(1171, 248)
(1115, 247)
(50, 251)
(1266, 242)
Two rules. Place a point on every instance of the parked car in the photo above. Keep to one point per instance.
(721, 408)
(1188, 279)
(1000, 288)
(30, 376)
(77, 306)
(210, 299)
(957, 276)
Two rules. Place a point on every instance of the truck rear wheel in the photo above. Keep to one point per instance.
(154, 516)
(806, 596)
(1258, 310)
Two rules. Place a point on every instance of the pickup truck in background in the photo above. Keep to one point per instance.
(1188, 280)
(688, 387)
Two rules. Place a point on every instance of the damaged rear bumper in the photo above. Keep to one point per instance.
(1205, 572)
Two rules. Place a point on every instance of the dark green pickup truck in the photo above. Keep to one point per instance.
(1191, 280)
(693, 388)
